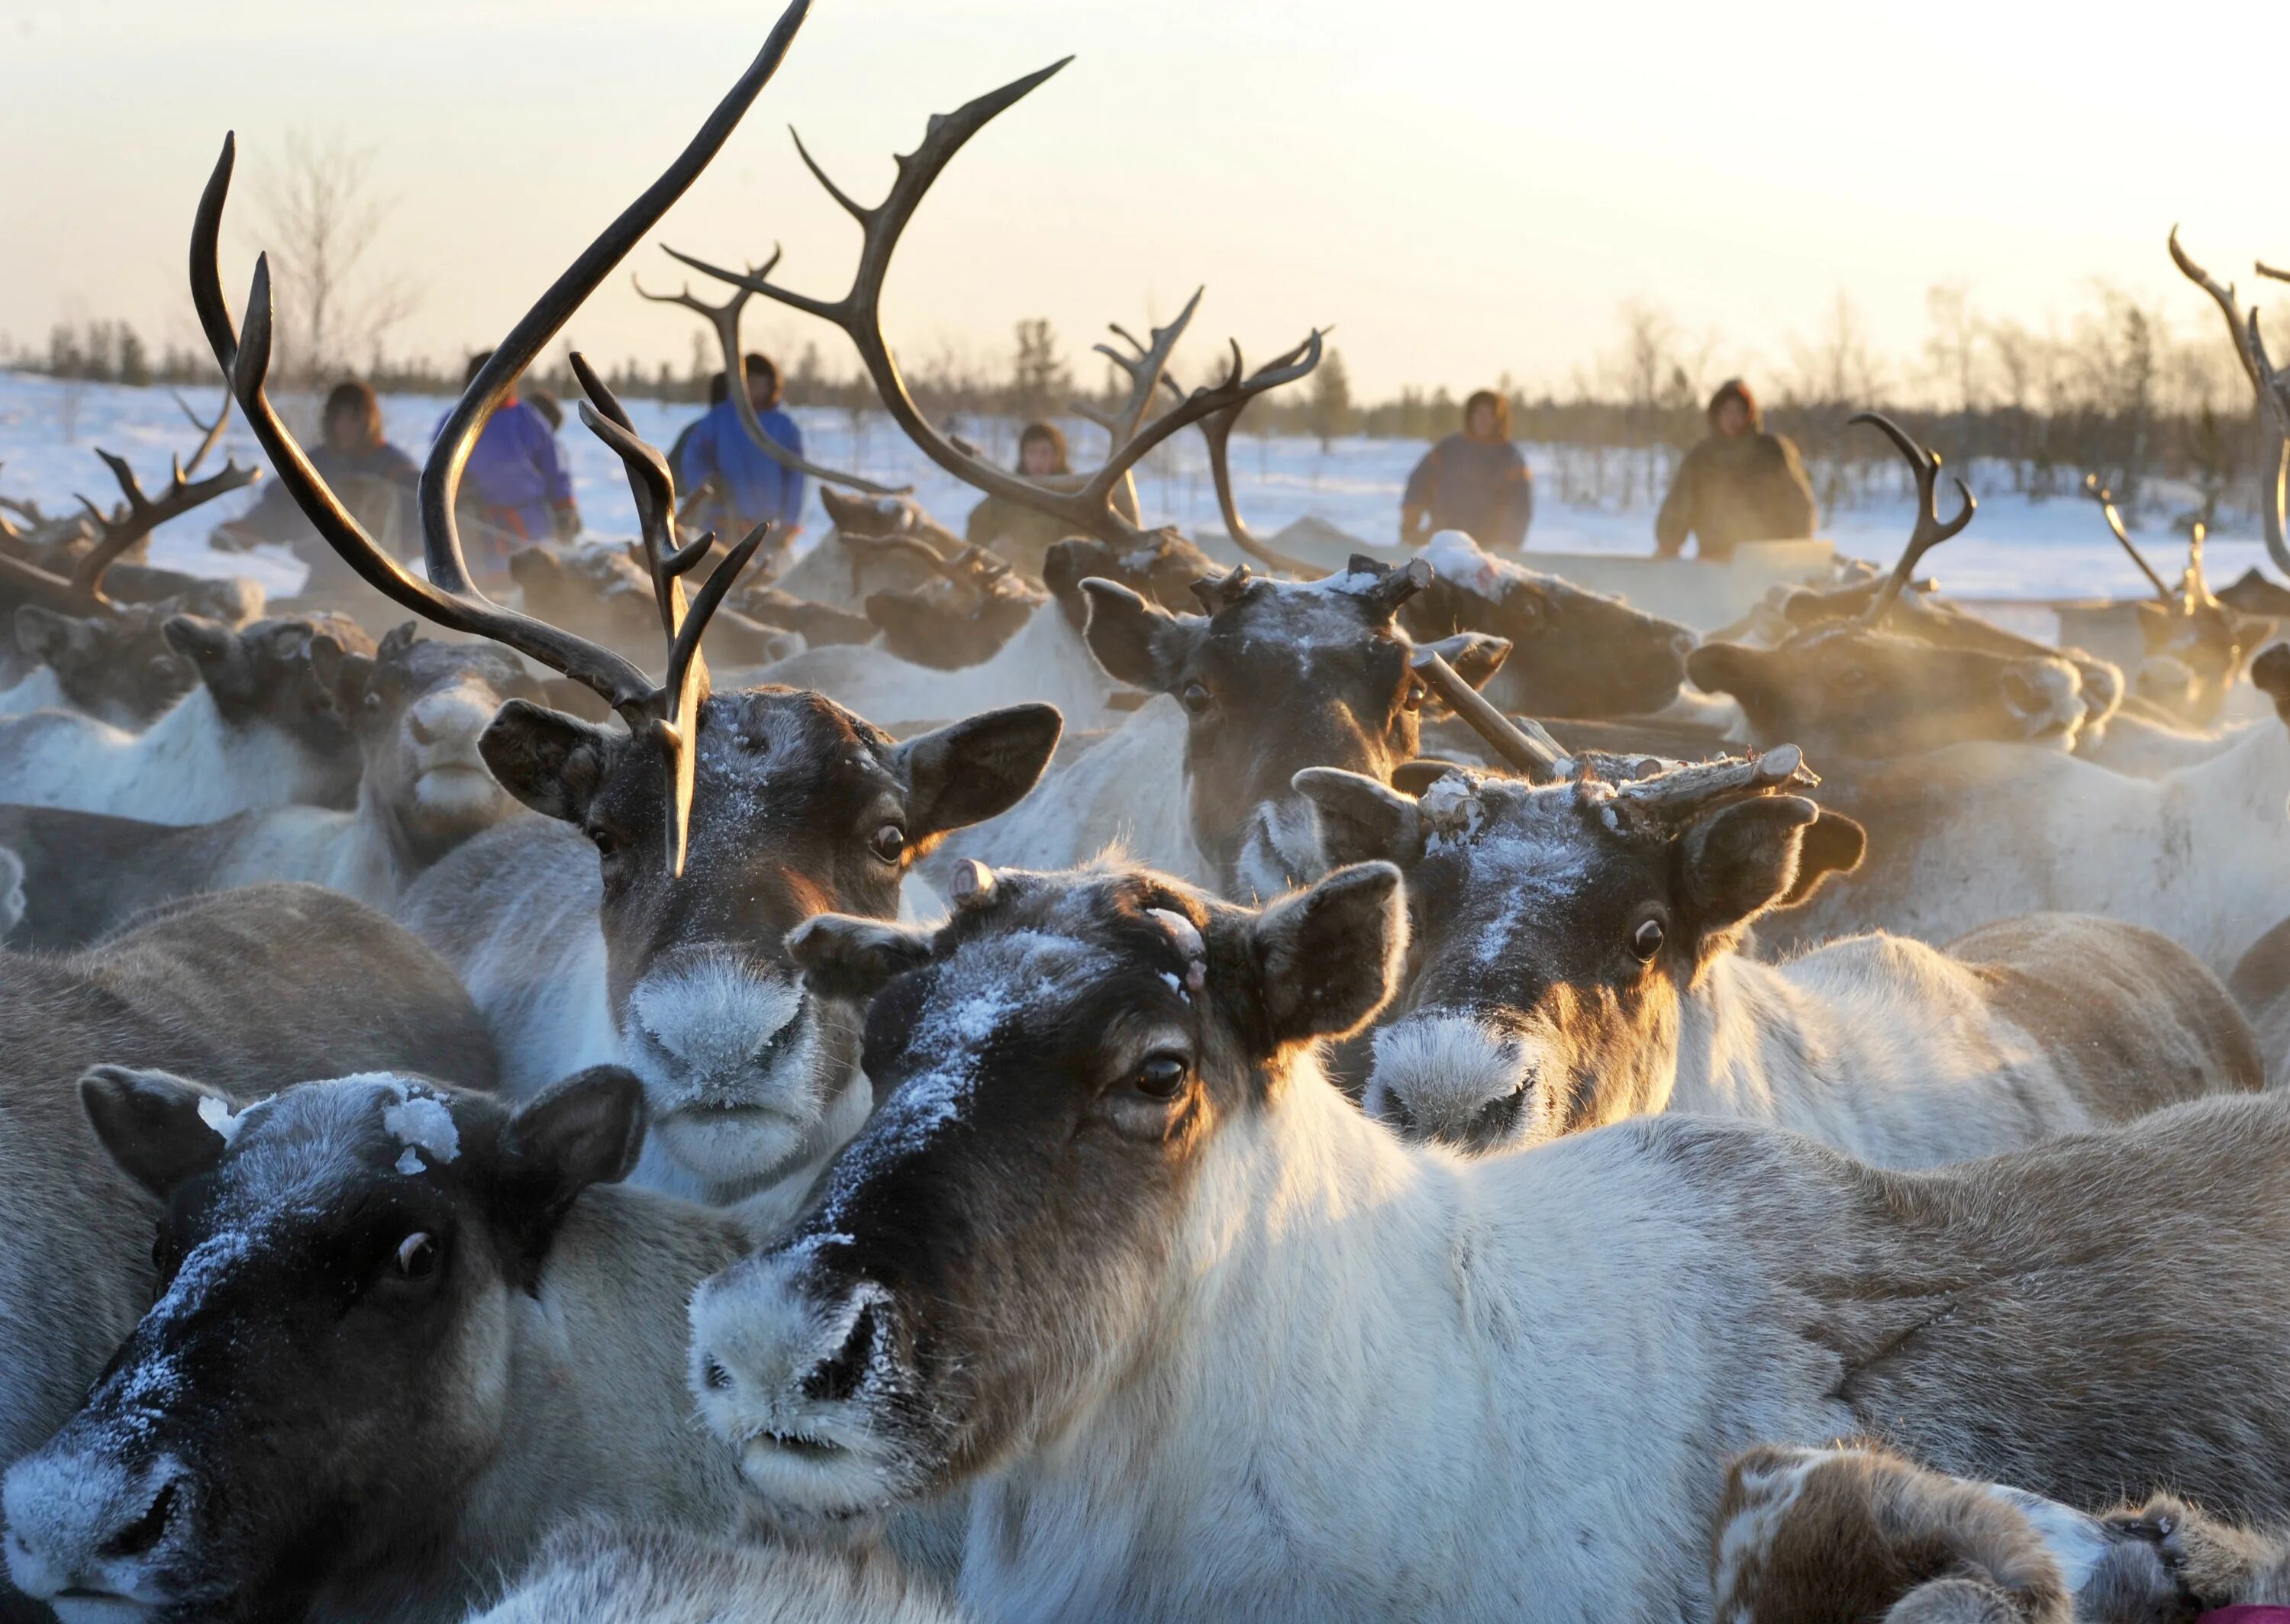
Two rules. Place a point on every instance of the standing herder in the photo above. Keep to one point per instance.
(1476, 482)
(1739, 484)
(749, 486)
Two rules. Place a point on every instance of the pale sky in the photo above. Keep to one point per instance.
(1462, 189)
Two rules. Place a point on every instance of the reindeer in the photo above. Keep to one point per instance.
(1862, 678)
(1976, 832)
(644, 922)
(1199, 1339)
(1833, 1536)
(255, 988)
(263, 728)
(603, 594)
(417, 710)
(1577, 957)
(107, 656)
(1274, 677)
(446, 1313)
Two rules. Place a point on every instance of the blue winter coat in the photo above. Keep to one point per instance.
(751, 487)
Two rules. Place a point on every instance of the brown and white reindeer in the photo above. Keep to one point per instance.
(1855, 1532)
(403, 1334)
(254, 988)
(417, 710)
(1578, 954)
(263, 726)
(1200, 1340)
(645, 921)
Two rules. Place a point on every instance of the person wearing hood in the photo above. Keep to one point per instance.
(749, 486)
(373, 476)
(1476, 482)
(1739, 484)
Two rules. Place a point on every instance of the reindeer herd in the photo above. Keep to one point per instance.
(1089, 1084)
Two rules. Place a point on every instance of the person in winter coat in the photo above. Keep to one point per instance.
(515, 484)
(1475, 481)
(1739, 484)
(375, 478)
(1012, 529)
(749, 486)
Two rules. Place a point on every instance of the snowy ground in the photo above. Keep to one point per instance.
(2014, 549)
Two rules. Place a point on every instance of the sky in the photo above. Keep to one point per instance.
(1464, 190)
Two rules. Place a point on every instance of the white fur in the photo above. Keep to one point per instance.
(1473, 1360)
(2201, 855)
(1045, 661)
(189, 766)
(1126, 790)
(39, 689)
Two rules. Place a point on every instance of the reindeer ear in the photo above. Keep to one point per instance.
(971, 770)
(163, 1129)
(1326, 959)
(588, 1129)
(1137, 643)
(848, 959)
(1726, 668)
(1360, 820)
(1742, 860)
(218, 651)
(1834, 844)
(1476, 656)
(551, 762)
(1065, 566)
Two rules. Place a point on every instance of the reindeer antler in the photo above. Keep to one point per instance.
(2100, 494)
(1679, 792)
(2272, 388)
(1929, 532)
(723, 319)
(1537, 753)
(667, 712)
(1217, 429)
(210, 432)
(858, 313)
(81, 593)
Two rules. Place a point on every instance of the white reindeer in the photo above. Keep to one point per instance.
(1580, 958)
(1201, 1339)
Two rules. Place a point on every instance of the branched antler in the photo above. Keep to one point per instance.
(81, 593)
(1091, 509)
(724, 320)
(1147, 369)
(1930, 532)
(2100, 495)
(2272, 388)
(210, 434)
(1217, 429)
(668, 712)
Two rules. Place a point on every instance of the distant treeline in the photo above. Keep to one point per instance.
(2119, 394)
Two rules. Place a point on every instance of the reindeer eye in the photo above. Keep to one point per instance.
(888, 842)
(1413, 698)
(417, 1256)
(1645, 941)
(1163, 1076)
(1195, 698)
(607, 843)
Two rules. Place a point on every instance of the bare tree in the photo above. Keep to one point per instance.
(1953, 357)
(319, 215)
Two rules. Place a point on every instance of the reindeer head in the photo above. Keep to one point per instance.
(719, 820)
(421, 710)
(1575, 653)
(328, 1362)
(1277, 677)
(1556, 928)
(1054, 1068)
(119, 666)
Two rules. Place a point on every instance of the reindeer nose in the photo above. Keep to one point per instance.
(420, 727)
(139, 1537)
